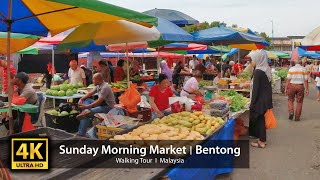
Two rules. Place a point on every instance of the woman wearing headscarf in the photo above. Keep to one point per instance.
(166, 70)
(261, 97)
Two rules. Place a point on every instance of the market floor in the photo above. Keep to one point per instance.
(293, 150)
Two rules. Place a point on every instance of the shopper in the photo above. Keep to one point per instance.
(176, 73)
(111, 71)
(192, 85)
(76, 74)
(103, 104)
(315, 69)
(104, 70)
(261, 98)
(166, 70)
(159, 97)
(119, 73)
(318, 87)
(296, 86)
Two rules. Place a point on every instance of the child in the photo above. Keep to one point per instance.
(318, 86)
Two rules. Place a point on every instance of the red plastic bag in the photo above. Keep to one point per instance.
(27, 125)
(270, 120)
(196, 107)
(199, 99)
(130, 98)
(18, 100)
(177, 107)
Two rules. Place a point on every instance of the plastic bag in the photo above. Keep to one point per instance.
(270, 120)
(27, 125)
(196, 107)
(130, 98)
(18, 100)
(199, 99)
(177, 107)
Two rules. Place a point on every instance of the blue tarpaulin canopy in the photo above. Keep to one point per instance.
(174, 16)
(226, 36)
(304, 53)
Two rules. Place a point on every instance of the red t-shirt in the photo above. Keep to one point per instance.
(5, 77)
(237, 68)
(161, 99)
(118, 74)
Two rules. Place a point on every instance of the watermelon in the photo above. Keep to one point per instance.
(61, 93)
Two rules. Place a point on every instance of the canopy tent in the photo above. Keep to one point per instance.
(29, 50)
(232, 52)
(282, 55)
(157, 54)
(169, 33)
(103, 55)
(173, 16)
(38, 17)
(183, 46)
(220, 48)
(225, 36)
(18, 42)
(304, 53)
(207, 51)
(143, 50)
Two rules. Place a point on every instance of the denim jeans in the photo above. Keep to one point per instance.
(85, 123)
(165, 112)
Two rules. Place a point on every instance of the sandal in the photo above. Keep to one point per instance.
(258, 145)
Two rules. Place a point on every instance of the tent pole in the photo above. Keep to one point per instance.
(127, 56)
(10, 92)
(158, 61)
(220, 60)
(52, 60)
(238, 55)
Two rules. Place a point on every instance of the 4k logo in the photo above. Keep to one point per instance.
(29, 153)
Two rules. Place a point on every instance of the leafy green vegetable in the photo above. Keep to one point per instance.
(282, 73)
(229, 93)
(245, 75)
(238, 103)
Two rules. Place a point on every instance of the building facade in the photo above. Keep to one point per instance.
(285, 44)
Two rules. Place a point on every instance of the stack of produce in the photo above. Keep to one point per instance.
(119, 86)
(203, 83)
(151, 134)
(197, 121)
(219, 108)
(282, 73)
(64, 89)
(63, 113)
(237, 101)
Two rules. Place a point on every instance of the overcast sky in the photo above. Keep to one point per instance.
(291, 17)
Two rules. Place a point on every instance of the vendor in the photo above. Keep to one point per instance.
(76, 74)
(192, 85)
(159, 97)
(26, 91)
(135, 68)
(103, 104)
(119, 73)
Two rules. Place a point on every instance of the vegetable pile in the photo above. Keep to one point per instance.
(203, 83)
(236, 100)
(282, 73)
(120, 85)
(245, 75)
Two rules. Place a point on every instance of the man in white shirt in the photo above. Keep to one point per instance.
(296, 87)
(193, 63)
(76, 74)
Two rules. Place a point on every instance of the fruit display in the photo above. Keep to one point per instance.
(237, 101)
(196, 121)
(64, 89)
(63, 113)
(203, 83)
(155, 133)
(245, 75)
(120, 85)
(223, 82)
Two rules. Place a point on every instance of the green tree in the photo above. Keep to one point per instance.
(267, 38)
(203, 25)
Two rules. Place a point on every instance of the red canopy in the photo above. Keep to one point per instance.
(191, 47)
(52, 40)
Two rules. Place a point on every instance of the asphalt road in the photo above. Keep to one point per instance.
(293, 150)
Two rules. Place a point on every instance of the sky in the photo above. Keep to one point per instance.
(290, 17)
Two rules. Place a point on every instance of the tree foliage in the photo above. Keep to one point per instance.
(203, 25)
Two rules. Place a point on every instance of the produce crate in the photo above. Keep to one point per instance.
(105, 132)
(54, 134)
(235, 86)
(223, 86)
(143, 113)
(68, 123)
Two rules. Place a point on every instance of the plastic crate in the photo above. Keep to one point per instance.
(68, 123)
(105, 132)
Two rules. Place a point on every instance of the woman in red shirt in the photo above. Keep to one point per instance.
(119, 72)
(159, 97)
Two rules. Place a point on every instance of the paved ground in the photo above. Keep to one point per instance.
(293, 150)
